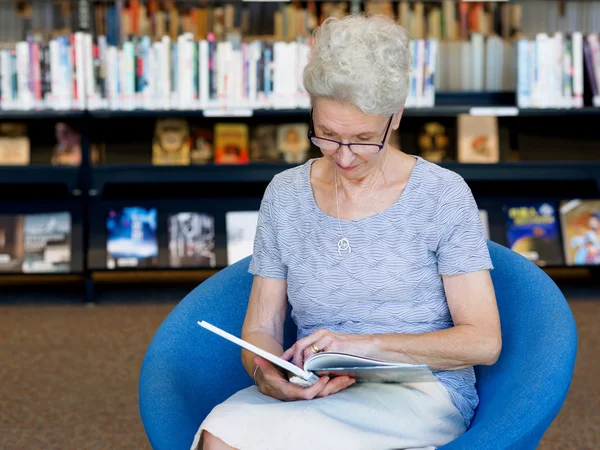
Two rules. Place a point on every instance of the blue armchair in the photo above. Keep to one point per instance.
(187, 370)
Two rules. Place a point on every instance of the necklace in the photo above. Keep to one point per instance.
(344, 243)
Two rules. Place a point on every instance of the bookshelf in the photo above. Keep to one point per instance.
(66, 177)
(88, 191)
(263, 173)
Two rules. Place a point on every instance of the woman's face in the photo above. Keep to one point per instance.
(346, 123)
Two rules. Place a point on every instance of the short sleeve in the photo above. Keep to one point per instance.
(461, 240)
(266, 256)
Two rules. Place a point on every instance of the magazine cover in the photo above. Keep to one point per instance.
(171, 143)
(202, 146)
(478, 139)
(67, 151)
(131, 240)
(231, 143)
(12, 250)
(580, 222)
(293, 143)
(532, 231)
(263, 144)
(192, 240)
(14, 144)
(47, 243)
(241, 229)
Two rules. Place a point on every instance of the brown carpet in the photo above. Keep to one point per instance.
(69, 377)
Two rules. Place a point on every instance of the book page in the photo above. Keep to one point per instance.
(260, 352)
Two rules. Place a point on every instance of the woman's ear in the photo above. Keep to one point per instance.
(397, 117)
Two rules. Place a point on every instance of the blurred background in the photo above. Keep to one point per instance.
(137, 138)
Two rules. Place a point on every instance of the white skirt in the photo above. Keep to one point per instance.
(365, 416)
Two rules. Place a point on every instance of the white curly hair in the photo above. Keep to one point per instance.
(363, 60)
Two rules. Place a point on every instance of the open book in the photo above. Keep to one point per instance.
(337, 364)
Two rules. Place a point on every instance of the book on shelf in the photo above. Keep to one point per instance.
(333, 364)
(86, 72)
(532, 230)
(202, 147)
(35, 243)
(293, 143)
(433, 142)
(171, 143)
(478, 139)
(14, 144)
(47, 243)
(592, 65)
(580, 223)
(67, 151)
(131, 238)
(550, 71)
(263, 144)
(241, 230)
(191, 240)
(231, 143)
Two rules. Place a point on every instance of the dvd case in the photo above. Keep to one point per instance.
(532, 230)
(580, 223)
(131, 240)
(241, 229)
(47, 243)
(192, 240)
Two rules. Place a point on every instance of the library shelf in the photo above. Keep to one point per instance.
(41, 114)
(442, 109)
(527, 171)
(102, 175)
(41, 174)
(560, 112)
(239, 113)
(299, 113)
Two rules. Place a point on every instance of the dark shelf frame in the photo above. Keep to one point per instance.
(42, 174)
(42, 114)
(101, 175)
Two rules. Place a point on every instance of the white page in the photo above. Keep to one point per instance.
(260, 352)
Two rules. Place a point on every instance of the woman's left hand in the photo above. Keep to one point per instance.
(329, 341)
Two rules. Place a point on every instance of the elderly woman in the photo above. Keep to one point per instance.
(379, 253)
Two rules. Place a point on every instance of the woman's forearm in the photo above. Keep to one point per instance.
(454, 348)
(262, 340)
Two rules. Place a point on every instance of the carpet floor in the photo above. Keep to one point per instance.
(69, 377)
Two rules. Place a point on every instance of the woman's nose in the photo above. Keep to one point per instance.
(345, 156)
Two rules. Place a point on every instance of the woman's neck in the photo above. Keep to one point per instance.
(356, 189)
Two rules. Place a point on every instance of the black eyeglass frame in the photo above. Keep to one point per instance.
(311, 135)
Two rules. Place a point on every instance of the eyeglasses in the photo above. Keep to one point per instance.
(330, 145)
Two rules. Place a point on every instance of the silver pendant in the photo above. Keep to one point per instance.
(344, 246)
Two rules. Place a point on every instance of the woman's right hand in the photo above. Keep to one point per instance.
(271, 382)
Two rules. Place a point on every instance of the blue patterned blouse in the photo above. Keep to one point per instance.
(391, 281)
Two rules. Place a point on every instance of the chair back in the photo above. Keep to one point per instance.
(188, 370)
(524, 390)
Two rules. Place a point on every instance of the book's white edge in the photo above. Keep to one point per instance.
(260, 352)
